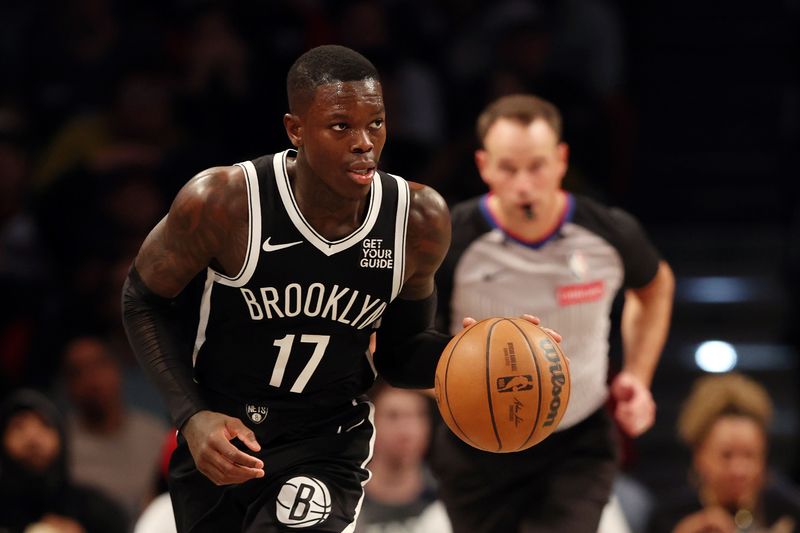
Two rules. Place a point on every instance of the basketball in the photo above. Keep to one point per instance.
(502, 385)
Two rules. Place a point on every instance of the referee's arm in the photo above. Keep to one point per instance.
(645, 323)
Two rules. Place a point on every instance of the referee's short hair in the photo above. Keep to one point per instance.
(323, 65)
(524, 108)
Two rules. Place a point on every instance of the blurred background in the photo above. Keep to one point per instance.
(685, 113)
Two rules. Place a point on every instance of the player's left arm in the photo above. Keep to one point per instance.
(645, 324)
(427, 241)
(407, 345)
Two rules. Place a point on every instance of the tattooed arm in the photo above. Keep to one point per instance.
(427, 241)
(408, 347)
(206, 225)
(208, 211)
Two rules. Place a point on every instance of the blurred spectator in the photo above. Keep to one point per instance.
(137, 131)
(725, 422)
(21, 257)
(634, 500)
(35, 488)
(68, 54)
(113, 447)
(92, 223)
(158, 516)
(215, 88)
(518, 46)
(400, 496)
(25, 272)
(411, 88)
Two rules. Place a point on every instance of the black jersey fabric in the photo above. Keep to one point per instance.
(291, 329)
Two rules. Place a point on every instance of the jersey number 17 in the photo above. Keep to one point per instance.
(285, 344)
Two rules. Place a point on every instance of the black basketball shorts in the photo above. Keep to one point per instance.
(557, 486)
(315, 470)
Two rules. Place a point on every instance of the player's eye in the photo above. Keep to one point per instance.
(340, 126)
(377, 124)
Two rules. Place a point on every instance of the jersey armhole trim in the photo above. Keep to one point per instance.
(400, 232)
(253, 231)
(205, 312)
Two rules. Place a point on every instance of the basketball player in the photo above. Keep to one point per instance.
(528, 244)
(303, 254)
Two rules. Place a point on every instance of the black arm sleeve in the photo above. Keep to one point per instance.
(147, 318)
(408, 347)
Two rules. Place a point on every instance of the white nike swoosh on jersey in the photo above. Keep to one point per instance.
(274, 247)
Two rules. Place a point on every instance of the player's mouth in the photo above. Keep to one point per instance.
(362, 174)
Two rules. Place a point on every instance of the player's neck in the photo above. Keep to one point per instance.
(331, 215)
(542, 222)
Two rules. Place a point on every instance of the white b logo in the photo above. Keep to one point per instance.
(303, 502)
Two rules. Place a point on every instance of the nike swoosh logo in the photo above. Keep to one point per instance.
(275, 247)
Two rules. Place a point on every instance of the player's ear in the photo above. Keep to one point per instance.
(294, 129)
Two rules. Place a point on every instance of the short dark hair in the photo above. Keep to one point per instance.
(323, 65)
(522, 107)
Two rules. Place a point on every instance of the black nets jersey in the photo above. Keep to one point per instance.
(569, 279)
(292, 327)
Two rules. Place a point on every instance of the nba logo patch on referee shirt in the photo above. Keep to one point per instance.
(578, 265)
(256, 413)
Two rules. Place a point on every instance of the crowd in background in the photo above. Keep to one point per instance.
(107, 107)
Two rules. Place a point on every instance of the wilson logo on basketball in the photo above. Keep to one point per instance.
(514, 383)
(557, 379)
(580, 293)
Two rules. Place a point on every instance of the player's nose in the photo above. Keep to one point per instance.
(362, 142)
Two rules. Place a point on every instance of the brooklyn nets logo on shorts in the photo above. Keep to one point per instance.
(303, 502)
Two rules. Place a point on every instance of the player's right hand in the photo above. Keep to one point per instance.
(469, 321)
(209, 435)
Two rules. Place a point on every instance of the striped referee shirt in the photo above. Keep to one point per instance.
(569, 279)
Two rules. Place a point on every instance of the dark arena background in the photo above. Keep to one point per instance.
(685, 113)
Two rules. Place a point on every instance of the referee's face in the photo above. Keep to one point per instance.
(523, 165)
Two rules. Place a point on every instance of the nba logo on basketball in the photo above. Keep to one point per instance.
(514, 383)
(256, 413)
(303, 502)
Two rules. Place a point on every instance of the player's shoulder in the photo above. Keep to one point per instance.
(209, 181)
(426, 205)
(429, 230)
(219, 189)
